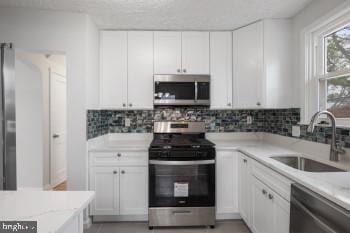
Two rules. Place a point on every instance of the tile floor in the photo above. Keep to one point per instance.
(234, 226)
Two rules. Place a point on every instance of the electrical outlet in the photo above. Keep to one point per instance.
(296, 131)
(249, 120)
(127, 122)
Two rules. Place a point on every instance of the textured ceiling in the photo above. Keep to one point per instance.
(170, 14)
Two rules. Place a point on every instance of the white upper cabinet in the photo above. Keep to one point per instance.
(140, 70)
(278, 63)
(167, 53)
(221, 70)
(262, 75)
(248, 66)
(181, 53)
(113, 80)
(195, 53)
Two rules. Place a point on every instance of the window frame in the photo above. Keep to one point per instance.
(314, 54)
(322, 75)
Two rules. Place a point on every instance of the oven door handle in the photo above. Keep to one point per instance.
(176, 163)
(316, 220)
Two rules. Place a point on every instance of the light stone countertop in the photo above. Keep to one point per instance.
(53, 210)
(334, 186)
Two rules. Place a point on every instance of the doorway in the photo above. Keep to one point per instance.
(41, 156)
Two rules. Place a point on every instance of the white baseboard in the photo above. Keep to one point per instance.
(87, 223)
(143, 218)
(120, 218)
(29, 189)
(228, 216)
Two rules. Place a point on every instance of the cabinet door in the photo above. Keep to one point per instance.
(133, 190)
(248, 66)
(140, 70)
(167, 52)
(281, 213)
(105, 182)
(195, 53)
(221, 70)
(244, 188)
(262, 209)
(113, 61)
(226, 182)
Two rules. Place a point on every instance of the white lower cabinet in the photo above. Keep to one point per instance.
(270, 211)
(262, 197)
(244, 187)
(226, 184)
(105, 182)
(121, 187)
(133, 190)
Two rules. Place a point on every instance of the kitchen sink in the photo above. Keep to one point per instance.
(305, 164)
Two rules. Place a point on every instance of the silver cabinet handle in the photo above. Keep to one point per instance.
(124, 105)
(123, 172)
(56, 136)
(179, 70)
(264, 192)
(184, 70)
(258, 103)
(119, 154)
(270, 196)
(184, 163)
(130, 105)
(229, 104)
(115, 172)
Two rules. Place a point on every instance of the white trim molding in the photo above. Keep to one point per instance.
(309, 67)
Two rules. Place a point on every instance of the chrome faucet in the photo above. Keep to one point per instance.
(336, 148)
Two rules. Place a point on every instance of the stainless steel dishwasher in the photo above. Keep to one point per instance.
(312, 213)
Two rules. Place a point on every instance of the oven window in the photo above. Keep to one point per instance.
(187, 185)
(203, 91)
(175, 90)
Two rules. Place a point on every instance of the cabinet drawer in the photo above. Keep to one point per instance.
(119, 158)
(274, 180)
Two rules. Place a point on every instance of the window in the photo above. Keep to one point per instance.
(333, 72)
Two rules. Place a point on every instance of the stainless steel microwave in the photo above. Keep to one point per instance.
(182, 90)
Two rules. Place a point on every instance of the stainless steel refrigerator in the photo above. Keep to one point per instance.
(8, 180)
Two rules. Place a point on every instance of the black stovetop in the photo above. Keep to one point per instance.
(180, 140)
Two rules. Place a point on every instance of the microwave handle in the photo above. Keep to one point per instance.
(195, 91)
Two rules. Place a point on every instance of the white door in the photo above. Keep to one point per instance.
(248, 66)
(113, 63)
(167, 52)
(195, 53)
(244, 188)
(133, 190)
(140, 70)
(221, 70)
(58, 128)
(262, 209)
(105, 182)
(226, 183)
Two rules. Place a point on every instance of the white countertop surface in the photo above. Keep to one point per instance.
(52, 210)
(122, 145)
(334, 186)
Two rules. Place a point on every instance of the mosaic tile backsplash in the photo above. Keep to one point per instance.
(277, 121)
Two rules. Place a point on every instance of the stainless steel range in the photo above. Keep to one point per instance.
(181, 176)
